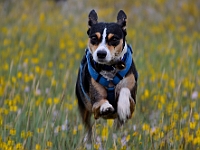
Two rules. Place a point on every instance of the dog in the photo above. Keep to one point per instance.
(107, 79)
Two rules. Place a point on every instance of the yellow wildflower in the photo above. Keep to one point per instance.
(49, 144)
(192, 125)
(12, 131)
(145, 127)
(37, 147)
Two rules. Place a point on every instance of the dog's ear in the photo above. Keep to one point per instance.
(121, 19)
(92, 18)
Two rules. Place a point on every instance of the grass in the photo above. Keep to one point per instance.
(41, 44)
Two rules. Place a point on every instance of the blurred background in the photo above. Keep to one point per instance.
(41, 46)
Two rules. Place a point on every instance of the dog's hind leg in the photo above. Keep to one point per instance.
(86, 120)
(85, 115)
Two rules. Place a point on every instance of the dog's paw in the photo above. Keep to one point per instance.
(106, 108)
(123, 107)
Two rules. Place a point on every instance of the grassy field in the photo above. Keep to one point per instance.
(41, 44)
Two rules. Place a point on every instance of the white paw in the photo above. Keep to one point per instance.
(106, 108)
(123, 107)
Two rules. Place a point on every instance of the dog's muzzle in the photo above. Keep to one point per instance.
(101, 54)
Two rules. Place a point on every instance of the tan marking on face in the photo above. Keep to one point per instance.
(92, 47)
(110, 36)
(98, 34)
(116, 51)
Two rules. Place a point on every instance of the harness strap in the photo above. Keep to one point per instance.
(118, 77)
(83, 63)
(111, 96)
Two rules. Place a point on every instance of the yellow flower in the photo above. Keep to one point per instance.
(12, 132)
(193, 104)
(1, 121)
(26, 78)
(80, 127)
(196, 141)
(196, 116)
(29, 134)
(50, 64)
(37, 147)
(74, 131)
(53, 82)
(198, 62)
(49, 144)
(62, 44)
(61, 66)
(37, 69)
(23, 134)
(35, 60)
(162, 99)
(13, 108)
(185, 115)
(192, 125)
(172, 83)
(40, 130)
(19, 146)
(6, 66)
(6, 42)
(104, 133)
(49, 101)
(19, 75)
(145, 127)
(110, 122)
(175, 117)
(146, 93)
(42, 17)
(10, 142)
(56, 100)
(96, 146)
(190, 138)
(128, 137)
(135, 133)
(161, 134)
(13, 79)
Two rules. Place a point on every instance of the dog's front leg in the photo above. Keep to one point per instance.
(98, 94)
(126, 91)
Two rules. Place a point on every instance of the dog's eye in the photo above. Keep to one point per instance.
(94, 37)
(114, 41)
(94, 40)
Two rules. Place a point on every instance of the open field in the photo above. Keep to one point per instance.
(41, 44)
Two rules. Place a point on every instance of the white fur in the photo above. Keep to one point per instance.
(102, 46)
(123, 107)
(123, 52)
(105, 106)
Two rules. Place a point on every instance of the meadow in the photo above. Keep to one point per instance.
(41, 46)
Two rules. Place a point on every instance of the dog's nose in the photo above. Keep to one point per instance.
(101, 54)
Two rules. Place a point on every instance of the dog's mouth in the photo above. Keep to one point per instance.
(115, 64)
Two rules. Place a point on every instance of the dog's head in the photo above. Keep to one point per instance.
(107, 40)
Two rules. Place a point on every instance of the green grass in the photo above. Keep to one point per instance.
(41, 45)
